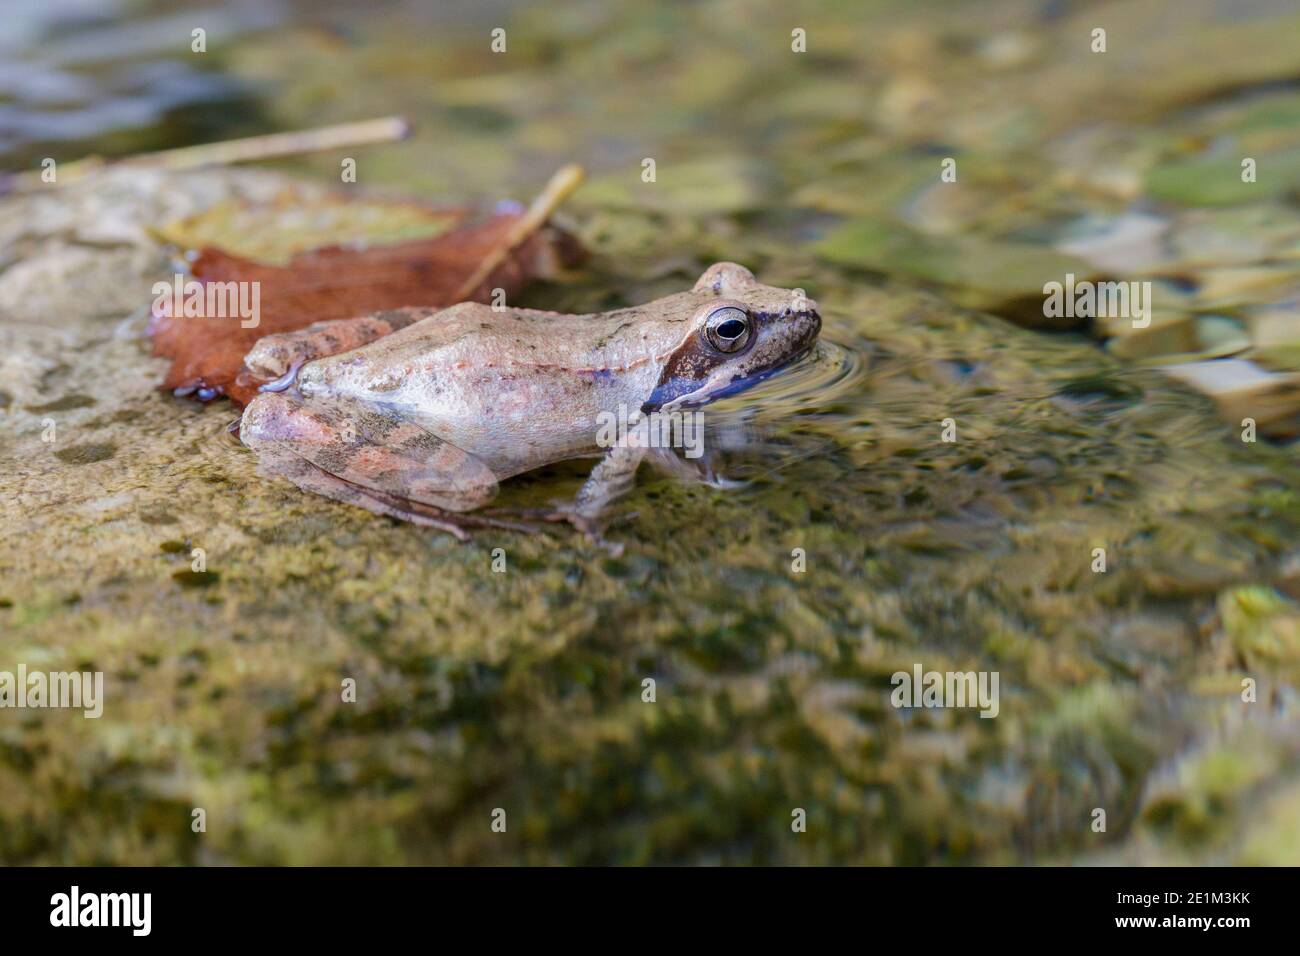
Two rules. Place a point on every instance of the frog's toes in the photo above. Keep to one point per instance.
(421, 513)
(284, 381)
(197, 389)
(592, 527)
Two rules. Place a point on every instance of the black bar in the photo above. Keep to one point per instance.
(219, 905)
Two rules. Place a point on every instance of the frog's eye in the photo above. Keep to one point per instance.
(727, 329)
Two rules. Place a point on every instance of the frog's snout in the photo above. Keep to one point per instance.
(805, 326)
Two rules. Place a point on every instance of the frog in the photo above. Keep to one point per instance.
(420, 414)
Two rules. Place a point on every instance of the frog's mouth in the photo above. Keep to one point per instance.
(712, 392)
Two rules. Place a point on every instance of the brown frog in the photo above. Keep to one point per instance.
(424, 421)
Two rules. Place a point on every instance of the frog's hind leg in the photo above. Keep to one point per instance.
(276, 356)
(385, 465)
(276, 459)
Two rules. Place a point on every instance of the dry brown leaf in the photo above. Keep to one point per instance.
(506, 251)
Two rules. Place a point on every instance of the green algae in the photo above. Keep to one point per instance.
(64, 404)
(196, 579)
(86, 454)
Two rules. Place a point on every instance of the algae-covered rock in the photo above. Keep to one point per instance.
(227, 611)
(978, 273)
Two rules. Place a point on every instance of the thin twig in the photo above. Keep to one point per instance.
(564, 182)
(250, 149)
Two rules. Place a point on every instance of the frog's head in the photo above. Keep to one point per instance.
(741, 332)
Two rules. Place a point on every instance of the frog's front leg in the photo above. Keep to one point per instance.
(361, 456)
(610, 479)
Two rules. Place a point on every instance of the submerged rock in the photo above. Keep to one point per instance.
(227, 612)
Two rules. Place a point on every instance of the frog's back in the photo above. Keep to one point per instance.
(518, 388)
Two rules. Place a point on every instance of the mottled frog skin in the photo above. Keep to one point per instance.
(424, 420)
